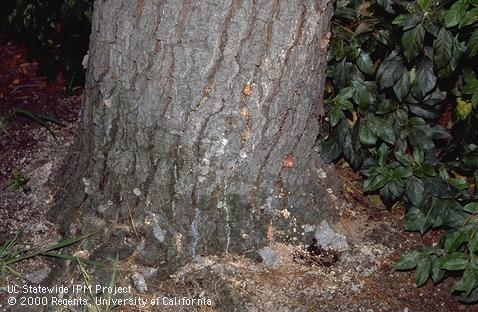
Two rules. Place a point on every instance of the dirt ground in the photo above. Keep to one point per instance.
(362, 278)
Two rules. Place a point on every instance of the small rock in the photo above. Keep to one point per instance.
(328, 239)
(139, 282)
(38, 276)
(269, 256)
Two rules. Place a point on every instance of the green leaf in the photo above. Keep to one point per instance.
(459, 183)
(470, 17)
(421, 111)
(70, 241)
(400, 19)
(362, 96)
(353, 157)
(437, 272)
(453, 240)
(471, 207)
(383, 36)
(443, 48)
(434, 98)
(451, 212)
(411, 21)
(472, 46)
(383, 153)
(423, 271)
(345, 94)
(458, 49)
(431, 27)
(414, 219)
(454, 262)
(366, 135)
(437, 187)
(382, 128)
(386, 106)
(423, 4)
(331, 148)
(425, 76)
(412, 41)
(95, 263)
(390, 70)
(455, 13)
(470, 281)
(403, 158)
(374, 182)
(342, 73)
(414, 189)
(473, 242)
(402, 172)
(418, 155)
(402, 86)
(408, 261)
(364, 62)
(335, 115)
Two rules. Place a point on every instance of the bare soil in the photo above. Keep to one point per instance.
(361, 279)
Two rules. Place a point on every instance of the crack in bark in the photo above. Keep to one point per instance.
(276, 90)
(179, 33)
(222, 45)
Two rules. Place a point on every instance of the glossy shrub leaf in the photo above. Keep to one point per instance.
(383, 36)
(438, 187)
(331, 148)
(454, 262)
(403, 158)
(453, 240)
(353, 156)
(423, 4)
(412, 41)
(342, 73)
(364, 62)
(414, 219)
(451, 212)
(437, 272)
(471, 207)
(425, 76)
(414, 190)
(473, 242)
(472, 46)
(422, 111)
(423, 271)
(470, 281)
(408, 261)
(374, 182)
(390, 70)
(410, 21)
(455, 13)
(382, 128)
(366, 135)
(402, 86)
(443, 48)
(458, 49)
(418, 155)
(471, 16)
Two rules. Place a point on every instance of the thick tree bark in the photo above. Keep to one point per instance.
(198, 129)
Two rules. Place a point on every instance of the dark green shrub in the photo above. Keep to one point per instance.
(402, 95)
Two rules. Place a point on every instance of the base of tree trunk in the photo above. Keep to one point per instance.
(198, 129)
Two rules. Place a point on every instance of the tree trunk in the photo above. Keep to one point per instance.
(198, 129)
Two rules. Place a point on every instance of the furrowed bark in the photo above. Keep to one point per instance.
(198, 129)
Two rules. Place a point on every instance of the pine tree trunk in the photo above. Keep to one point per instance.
(198, 129)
